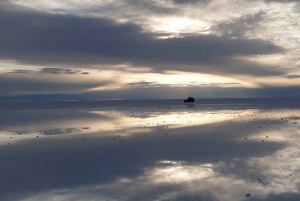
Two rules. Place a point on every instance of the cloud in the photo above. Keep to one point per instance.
(283, 1)
(59, 71)
(204, 196)
(72, 40)
(190, 1)
(149, 84)
(144, 84)
(293, 76)
(150, 6)
(48, 70)
(20, 71)
(240, 26)
(34, 84)
(283, 196)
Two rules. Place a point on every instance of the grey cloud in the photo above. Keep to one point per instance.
(283, 1)
(204, 196)
(137, 8)
(190, 1)
(283, 196)
(240, 26)
(50, 71)
(59, 131)
(10, 85)
(44, 38)
(144, 84)
(153, 193)
(294, 76)
(59, 71)
(150, 6)
(298, 186)
(20, 71)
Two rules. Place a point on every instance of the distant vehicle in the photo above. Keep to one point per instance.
(189, 100)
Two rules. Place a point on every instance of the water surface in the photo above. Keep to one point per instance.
(214, 149)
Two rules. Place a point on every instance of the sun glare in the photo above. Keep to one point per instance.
(177, 26)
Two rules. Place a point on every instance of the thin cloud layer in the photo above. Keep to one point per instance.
(33, 82)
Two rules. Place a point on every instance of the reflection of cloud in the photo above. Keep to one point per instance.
(290, 196)
(211, 161)
(59, 131)
(106, 160)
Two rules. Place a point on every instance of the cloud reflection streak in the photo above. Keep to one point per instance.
(228, 154)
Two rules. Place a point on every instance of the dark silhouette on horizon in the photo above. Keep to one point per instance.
(189, 100)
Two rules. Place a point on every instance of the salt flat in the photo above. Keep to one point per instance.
(223, 149)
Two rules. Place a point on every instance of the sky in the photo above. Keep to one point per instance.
(144, 49)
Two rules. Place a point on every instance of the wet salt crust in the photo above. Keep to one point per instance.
(218, 149)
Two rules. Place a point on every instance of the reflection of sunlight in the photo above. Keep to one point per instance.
(67, 122)
(178, 172)
(170, 120)
(229, 177)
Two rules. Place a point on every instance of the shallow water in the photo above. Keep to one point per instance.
(214, 149)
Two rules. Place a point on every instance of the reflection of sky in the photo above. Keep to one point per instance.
(134, 153)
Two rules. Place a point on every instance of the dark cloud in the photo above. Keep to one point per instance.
(45, 38)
